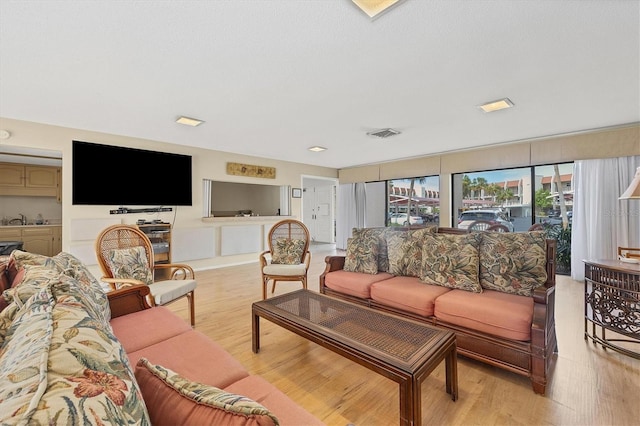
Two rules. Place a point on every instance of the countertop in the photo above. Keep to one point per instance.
(28, 226)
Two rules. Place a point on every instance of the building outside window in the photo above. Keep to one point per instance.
(520, 196)
(413, 201)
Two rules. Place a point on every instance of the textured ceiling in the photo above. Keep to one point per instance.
(274, 77)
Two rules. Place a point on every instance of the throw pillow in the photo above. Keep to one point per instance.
(513, 262)
(130, 263)
(288, 251)
(451, 261)
(173, 399)
(362, 255)
(405, 253)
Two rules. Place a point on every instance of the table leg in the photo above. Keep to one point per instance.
(408, 405)
(451, 363)
(255, 333)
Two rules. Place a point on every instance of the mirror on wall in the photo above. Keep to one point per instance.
(234, 199)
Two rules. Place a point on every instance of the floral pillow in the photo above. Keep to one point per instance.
(173, 399)
(130, 263)
(362, 255)
(451, 260)
(288, 251)
(405, 254)
(513, 262)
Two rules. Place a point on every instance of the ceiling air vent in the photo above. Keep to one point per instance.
(383, 133)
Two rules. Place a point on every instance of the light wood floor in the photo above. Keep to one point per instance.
(589, 386)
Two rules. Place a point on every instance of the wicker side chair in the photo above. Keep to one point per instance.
(288, 257)
(479, 225)
(629, 252)
(498, 227)
(125, 255)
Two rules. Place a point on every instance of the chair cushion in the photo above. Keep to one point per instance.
(451, 260)
(285, 270)
(168, 290)
(362, 255)
(130, 263)
(354, 283)
(288, 251)
(408, 294)
(513, 262)
(172, 399)
(501, 314)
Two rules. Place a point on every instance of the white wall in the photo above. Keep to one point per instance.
(207, 164)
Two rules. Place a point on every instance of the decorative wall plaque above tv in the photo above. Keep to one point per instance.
(251, 170)
(116, 175)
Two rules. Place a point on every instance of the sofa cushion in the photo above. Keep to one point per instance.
(380, 235)
(513, 262)
(501, 314)
(288, 251)
(147, 327)
(362, 255)
(72, 367)
(173, 399)
(451, 261)
(354, 283)
(263, 392)
(408, 294)
(194, 356)
(130, 263)
(67, 264)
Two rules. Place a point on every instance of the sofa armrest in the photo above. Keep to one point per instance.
(333, 263)
(127, 300)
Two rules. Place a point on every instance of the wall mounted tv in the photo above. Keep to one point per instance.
(115, 175)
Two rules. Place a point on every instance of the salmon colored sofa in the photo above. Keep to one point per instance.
(72, 354)
(495, 290)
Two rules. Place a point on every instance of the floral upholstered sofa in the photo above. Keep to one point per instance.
(495, 290)
(72, 354)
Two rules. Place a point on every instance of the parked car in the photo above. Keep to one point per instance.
(401, 219)
(493, 216)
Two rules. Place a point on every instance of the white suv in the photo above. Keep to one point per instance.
(494, 216)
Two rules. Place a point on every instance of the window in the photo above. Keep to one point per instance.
(518, 196)
(413, 201)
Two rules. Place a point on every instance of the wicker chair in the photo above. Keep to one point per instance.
(288, 256)
(498, 227)
(629, 252)
(181, 282)
(479, 225)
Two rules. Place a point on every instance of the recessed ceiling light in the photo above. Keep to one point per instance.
(193, 122)
(496, 105)
(374, 7)
(317, 148)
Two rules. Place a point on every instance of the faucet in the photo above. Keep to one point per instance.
(23, 219)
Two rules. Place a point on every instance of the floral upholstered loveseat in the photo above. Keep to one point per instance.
(72, 354)
(495, 290)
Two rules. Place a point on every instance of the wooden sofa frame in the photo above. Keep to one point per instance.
(532, 359)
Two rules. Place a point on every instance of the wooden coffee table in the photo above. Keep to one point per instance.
(402, 350)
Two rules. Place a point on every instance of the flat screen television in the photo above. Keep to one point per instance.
(115, 175)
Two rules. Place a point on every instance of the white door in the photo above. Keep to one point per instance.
(318, 200)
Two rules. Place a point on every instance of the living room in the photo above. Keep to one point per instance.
(353, 395)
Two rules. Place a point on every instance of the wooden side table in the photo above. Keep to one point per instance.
(612, 303)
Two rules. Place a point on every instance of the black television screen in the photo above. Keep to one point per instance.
(115, 175)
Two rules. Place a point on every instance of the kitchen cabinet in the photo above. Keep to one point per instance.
(30, 180)
(44, 240)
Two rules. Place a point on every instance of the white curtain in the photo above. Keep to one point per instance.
(601, 222)
(351, 211)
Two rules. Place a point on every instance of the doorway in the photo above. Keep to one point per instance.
(318, 208)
